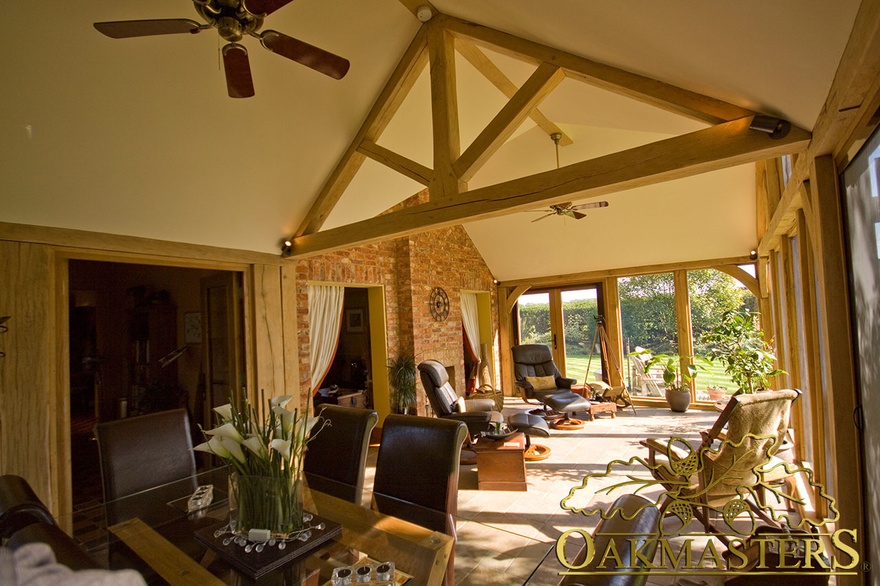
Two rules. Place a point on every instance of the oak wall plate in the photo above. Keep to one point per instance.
(439, 304)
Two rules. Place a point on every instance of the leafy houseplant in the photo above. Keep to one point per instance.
(265, 459)
(677, 379)
(740, 346)
(402, 378)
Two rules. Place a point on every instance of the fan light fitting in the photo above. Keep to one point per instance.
(235, 19)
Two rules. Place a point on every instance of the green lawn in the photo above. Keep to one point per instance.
(713, 374)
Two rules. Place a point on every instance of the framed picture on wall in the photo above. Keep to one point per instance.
(354, 321)
(192, 327)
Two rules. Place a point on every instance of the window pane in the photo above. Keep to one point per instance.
(711, 294)
(647, 313)
(534, 318)
(804, 383)
(579, 311)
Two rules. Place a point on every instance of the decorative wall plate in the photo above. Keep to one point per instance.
(439, 304)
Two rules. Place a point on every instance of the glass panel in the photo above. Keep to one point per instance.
(803, 366)
(647, 313)
(579, 311)
(534, 318)
(712, 293)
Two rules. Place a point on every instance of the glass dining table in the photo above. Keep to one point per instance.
(153, 532)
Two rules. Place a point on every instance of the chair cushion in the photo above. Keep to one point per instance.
(542, 383)
(459, 406)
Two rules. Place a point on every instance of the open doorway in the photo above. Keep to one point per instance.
(139, 339)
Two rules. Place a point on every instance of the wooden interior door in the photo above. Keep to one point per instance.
(222, 339)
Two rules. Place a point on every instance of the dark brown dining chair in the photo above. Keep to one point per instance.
(139, 453)
(336, 456)
(20, 506)
(417, 473)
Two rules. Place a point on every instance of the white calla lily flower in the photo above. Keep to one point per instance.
(282, 447)
(234, 448)
(255, 444)
(280, 401)
(215, 446)
(285, 417)
(226, 430)
(203, 447)
(224, 411)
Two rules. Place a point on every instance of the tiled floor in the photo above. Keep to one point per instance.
(533, 520)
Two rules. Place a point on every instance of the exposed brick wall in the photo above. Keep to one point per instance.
(409, 268)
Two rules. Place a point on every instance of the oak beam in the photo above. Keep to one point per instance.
(543, 81)
(718, 147)
(403, 165)
(496, 77)
(444, 111)
(606, 274)
(748, 281)
(386, 105)
(852, 100)
(839, 389)
(639, 87)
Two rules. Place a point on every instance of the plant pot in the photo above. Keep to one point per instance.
(716, 394)
(678, 401)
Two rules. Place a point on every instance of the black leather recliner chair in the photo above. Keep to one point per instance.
(536, 360)
(478, 414)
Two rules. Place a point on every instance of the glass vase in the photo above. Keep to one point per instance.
(262, 502)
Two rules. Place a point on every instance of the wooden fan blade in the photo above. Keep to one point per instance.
(577, 215)
(264, 7)
(595, 204)
(123, 29)
(239, 82)
(318, 59)
(544, 216)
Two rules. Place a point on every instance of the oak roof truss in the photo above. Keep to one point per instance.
(727, 142)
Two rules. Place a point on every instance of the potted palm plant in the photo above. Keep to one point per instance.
(402, 378)
(740, 347)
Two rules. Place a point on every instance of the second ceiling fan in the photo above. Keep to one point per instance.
(234, 19)
(566, 209)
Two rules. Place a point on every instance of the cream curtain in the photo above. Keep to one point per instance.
(470, 319)
(325, 323)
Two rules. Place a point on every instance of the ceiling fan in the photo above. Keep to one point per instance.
(234, 19)
(566, 209)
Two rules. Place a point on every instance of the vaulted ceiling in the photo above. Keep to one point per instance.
(138, 137)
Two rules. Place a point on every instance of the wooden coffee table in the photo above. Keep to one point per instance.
(602, 407)
(501, 465)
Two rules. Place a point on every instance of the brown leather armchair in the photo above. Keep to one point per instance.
(478, 414)
(336, 456)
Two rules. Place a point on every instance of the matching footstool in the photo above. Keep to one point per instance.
(531, 425)
(568, 403)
